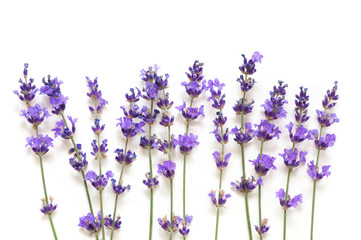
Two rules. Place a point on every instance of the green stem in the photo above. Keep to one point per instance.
(219, 195)
(247, 213)
(171, 209)
(151, 174)
(260, 195)
(286, 197)
(314, 194)
(102, 212)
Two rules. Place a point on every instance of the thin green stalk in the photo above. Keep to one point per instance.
(151, 175)
(314, 193)
(219, 195)
(171, 209)
(101, 191)
(285, 211)
(259, 195)
(248, 217)
(184, 168)
(44, 188)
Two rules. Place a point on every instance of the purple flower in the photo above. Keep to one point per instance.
(150, 74)
(221, 161)
(273, 107)
(190, 113)
(165, 223)
(329, 97)
(119, 189)
(326, 120)
(257, 57)
(164, 103)
(266, 131)
(151, 91)
(27, 89)
(301, 133)
(219, 137)
(187, 142)
(95, 94)
(162, 83)
(243, 135)
(91, 223)
(243, 106)
(97, 129)
(108, 222)
(184, 230)
(129, 127)
(163, 146)
(134, 96)
(248, 67)
(35, 115)
(246, 84)
(56, 98)
(147, 116)
(166, 121)
(40, 145)
(313, 171)
(96, 151)
(195, 72)
(145, 144)
(264, 164)
(133, 111)
(245, 185)
(263, 228)
(222, 198)
(290, 157)
(48, 209)
(79, 163)
(215, 88)
(150, 182)
(324, 142)
(286, 204)
(129, 157)
(167, 169)
(220, 120)
(98, 182)
(62, 130)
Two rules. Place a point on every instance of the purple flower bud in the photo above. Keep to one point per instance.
(246, 84)
(286, 204)
(40, 145)
(129, 127)
(165, 223)
(263, 228)
(187, 142)
(79, 163)
(196, 72)
(243, 106)
(326, 120)
(150, 182)
(35, 115)
(167, 169)
(108, 222)
(245, 185)
(290, 157)
(264, 164)
(222, 198)
(119, 189)
(98, 182)
(221, 161)
(190, 113)
(48, 209)
(91, 223)
(266, 131)
(243, 135)
(134, 96)
(315, 174)
(184, 230)
(129, 157)
(324, 142)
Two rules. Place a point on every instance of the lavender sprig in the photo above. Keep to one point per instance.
(168, 167)
(222, 159)
(325, 119)
(129, 128)
(99, 150)
(39, 144)
(187, 142)
(292, 157)
(245, 133)
(273, 109)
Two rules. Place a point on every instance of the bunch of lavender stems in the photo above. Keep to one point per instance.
(222, 159)
(58, 101)
(129, 129)
(40, 144)
(325, 119)
(99, 149)
(293, 158)
(194, 88)
(273, 109)
(244, 135)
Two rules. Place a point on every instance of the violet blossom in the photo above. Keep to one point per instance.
(167, 169)
(290, 202)
(98, 182)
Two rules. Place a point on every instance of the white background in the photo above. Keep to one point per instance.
(313, 44)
